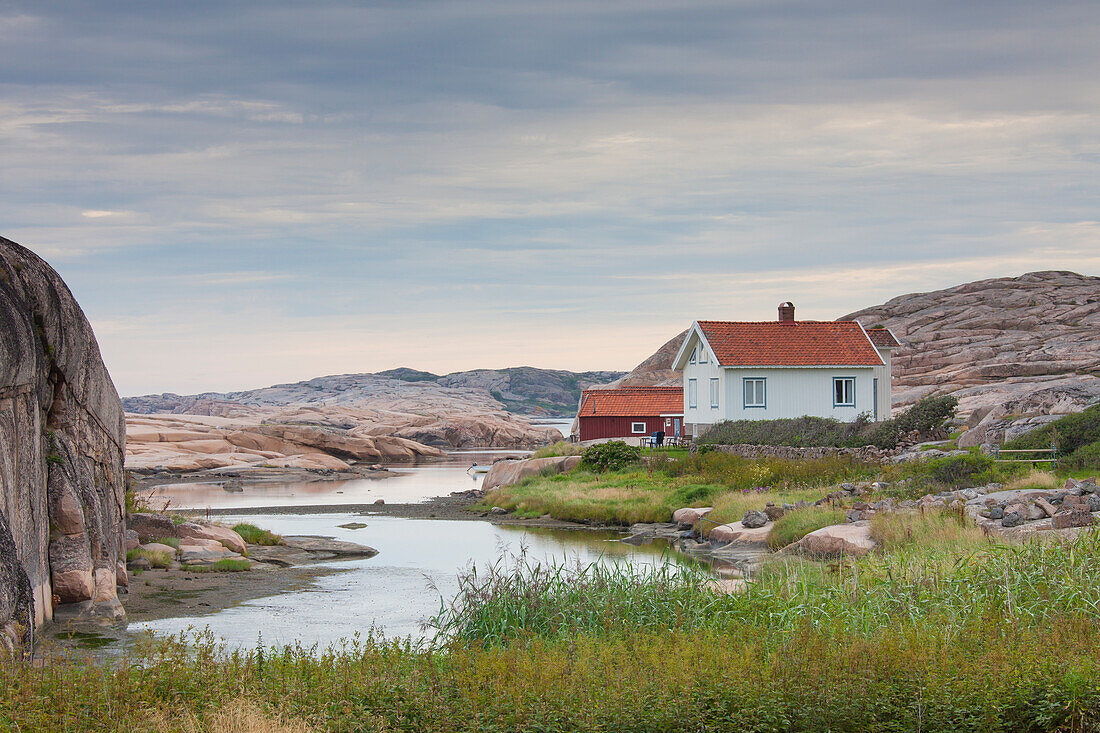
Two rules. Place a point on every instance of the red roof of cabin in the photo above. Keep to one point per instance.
(883, 338)
(790, 343)
(632, 402)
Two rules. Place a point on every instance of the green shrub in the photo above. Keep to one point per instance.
(614, 455)
(1069, 433)
(1087, 456)
(253, 535)
(795, 525)
(973, 469)
(925, 417)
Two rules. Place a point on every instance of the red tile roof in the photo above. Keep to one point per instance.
(793, 343)
(883, 337)
(632, 402)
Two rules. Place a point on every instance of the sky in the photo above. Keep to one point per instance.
(245, 193)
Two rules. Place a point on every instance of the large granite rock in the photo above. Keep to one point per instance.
(62, 495)
(840, 539)
(1015, 346)
(506, 473)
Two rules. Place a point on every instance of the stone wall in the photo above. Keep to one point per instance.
(62, 494)
(867, 453)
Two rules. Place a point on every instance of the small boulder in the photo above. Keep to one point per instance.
(1012, 518)
(498, 510)
(688, 516)
(773, 512)
(130, 541)
(224, 535)
(1072, 518)
(1093, 502)
(838, 539)
(754, 519)
(996, 511)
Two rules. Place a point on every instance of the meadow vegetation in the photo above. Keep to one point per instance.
(254, 535)
(560, 448)
(942, 629)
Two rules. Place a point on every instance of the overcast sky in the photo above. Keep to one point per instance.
(242, 193)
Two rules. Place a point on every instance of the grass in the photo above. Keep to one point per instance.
(1035, 479)
(253, 535)
(794, 525)
(157, 559)
(650, 493)
(173, 542)
(226, 565)
(560, 448)
(940, 630)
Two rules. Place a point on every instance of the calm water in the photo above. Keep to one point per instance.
(412, 484)
(397, 590)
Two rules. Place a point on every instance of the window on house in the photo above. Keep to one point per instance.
(693, 393)
(714, 393)
(844, 392)
(691, 359)
(755, 392)
(637, 428)
(702, 354)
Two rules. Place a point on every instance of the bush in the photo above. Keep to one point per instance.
(1087, 456)
(973, 469)
(615, 455)
(1069, 433)
(253, 535)
(925, 417)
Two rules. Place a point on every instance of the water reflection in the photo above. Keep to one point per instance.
(414, 483)
(395, 591)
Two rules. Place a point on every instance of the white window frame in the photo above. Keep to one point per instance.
(692, 359)
(763, 403)
(714, 390)
(693, 393)
(634, 428)
(851, 402)
(702, 354)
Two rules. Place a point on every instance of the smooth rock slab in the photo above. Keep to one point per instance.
(737, 533)
(327, 545)
(839, 539)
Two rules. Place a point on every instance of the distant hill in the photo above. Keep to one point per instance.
(519, 390)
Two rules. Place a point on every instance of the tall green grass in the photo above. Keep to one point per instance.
(794, 525)
(560, 448)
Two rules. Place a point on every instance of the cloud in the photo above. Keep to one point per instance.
(488, 167)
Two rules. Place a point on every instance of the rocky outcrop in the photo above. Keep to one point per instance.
(324, 423)
(62, 442)
(506, 473)
(839, 539)
(657, 369)
(193, 443)
(1020, 346)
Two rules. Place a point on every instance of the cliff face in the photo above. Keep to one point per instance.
(62, 496)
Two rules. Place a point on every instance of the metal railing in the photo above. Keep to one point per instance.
(1050, 454)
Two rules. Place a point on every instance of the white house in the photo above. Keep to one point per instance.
(785, 368)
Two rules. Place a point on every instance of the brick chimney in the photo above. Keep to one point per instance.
(786, 312)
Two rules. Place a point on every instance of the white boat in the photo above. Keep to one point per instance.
(478, 469)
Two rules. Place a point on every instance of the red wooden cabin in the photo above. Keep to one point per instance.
(626, 413)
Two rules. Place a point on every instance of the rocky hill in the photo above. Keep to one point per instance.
(62, 496)
(1016, 351)
(519, 390)
(1025, 348)
(327, 422)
